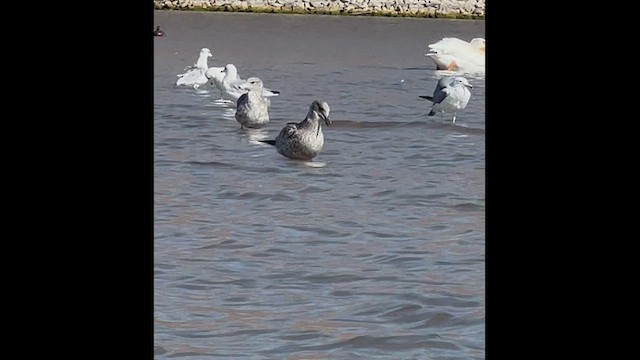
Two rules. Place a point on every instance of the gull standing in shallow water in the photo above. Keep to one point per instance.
(303, 140)
(252, 108)
(231, 82)
(451, 95)
(194, 76)
(216, 74)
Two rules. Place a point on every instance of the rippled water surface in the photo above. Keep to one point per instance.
(375, 250)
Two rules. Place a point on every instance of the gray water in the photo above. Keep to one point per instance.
(375, 250)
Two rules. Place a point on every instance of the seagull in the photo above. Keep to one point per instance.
(216, 74)
(452, 93)
(158, 31)
(458, 55)
(303, 140)
(231, 85)
(252, 107)
(194, 76)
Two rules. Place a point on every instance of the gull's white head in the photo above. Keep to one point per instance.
(459, 80)
(206, 52)
(230, 69)
(252, 83)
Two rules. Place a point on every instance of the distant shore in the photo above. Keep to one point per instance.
(448, 9)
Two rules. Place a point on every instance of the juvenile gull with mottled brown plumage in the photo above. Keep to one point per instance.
(303, 140)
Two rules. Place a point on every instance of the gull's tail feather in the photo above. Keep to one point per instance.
(430, 98)
(270, 142)
(269, 93)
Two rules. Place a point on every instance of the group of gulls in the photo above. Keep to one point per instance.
(304, 140)
(301, 141)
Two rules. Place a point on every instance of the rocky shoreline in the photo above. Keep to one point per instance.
(452, 9)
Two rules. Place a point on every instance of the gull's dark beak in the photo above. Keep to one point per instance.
(325, 118)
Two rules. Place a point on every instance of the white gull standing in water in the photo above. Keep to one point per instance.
(216, 74)
(252, 108)
(231, 85)
(194, 76)
(303, 140)
(458, 55)
(452, 93)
